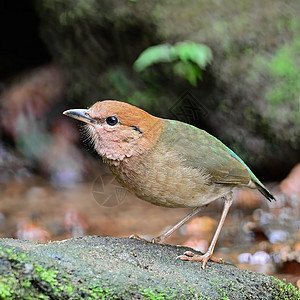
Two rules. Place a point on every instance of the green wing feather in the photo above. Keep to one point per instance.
(202, 150)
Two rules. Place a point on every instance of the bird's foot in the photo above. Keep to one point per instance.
(135, 236)
(157, 240)
(190, 256)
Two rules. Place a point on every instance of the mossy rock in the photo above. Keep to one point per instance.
(94, 267)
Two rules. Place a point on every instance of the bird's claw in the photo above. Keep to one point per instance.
(189, 253)
(190, 256)
(156, 241)
(135, 236)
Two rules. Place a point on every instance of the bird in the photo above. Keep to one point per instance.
(167, 163)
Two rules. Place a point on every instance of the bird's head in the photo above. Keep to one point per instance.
(118, 129)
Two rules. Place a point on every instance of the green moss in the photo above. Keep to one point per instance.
(223, 288)
(97, 292)
(49, 276)
(158, 294)
(284, 291)
(12, 285)
(203, 297)
(7, 284)
(231, 285)
(16, 282)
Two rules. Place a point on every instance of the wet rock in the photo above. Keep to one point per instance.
(94, 267)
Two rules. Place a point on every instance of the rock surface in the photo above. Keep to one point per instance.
(94, 267)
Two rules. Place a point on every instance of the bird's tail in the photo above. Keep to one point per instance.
(265, 191)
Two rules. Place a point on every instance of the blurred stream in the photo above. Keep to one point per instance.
(257, 235)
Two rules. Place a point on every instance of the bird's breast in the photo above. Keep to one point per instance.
(161, 177)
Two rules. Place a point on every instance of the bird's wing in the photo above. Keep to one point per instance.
(198, 149)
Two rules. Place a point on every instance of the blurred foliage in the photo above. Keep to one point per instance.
(285, 94)
(189, 59)
(249, 88)
(277, 78)
(284, 67)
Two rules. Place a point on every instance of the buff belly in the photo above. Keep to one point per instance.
(167, 181)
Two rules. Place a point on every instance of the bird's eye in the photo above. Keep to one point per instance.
(112, 120)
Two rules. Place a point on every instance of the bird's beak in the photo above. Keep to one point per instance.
(81, 115)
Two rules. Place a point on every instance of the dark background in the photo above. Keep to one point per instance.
(56, 55)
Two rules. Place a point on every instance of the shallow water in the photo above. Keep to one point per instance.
(257, 235)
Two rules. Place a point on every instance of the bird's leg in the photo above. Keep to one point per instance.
(188, 255)
(160, 239)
